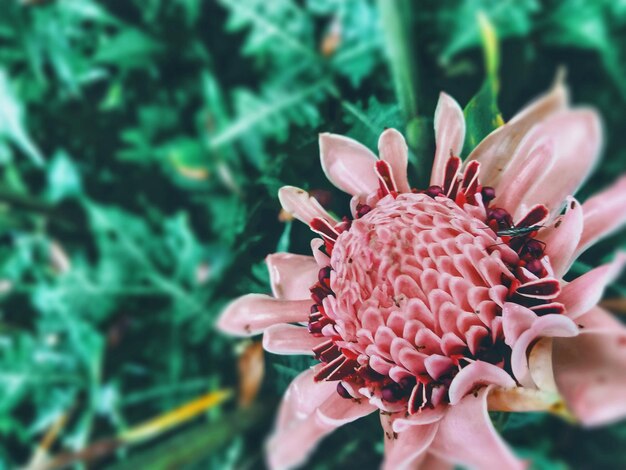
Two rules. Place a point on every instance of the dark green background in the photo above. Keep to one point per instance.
(146, 139)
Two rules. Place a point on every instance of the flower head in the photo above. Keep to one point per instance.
(435, 305)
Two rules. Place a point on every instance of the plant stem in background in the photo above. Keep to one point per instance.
(397, 34)
(399, 42)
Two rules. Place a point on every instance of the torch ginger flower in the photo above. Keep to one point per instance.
(434, 306)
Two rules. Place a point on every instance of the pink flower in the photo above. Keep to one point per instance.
(434, 306)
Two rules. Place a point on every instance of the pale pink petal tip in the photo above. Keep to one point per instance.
(522, 327)
(301, 205)
(584, 292)
(494, 152)
(476, 374)
(252, 313)
(604, 213)
(449, 135)
(563, 237)
(309, 411)
(467, 437)
(291, 275)
(348, 164)
(577, 137)
(392, 148)
(290, 339)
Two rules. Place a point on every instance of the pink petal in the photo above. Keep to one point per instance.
(516, 319)
(495, 151)
(321, 258)
(577, 137)
(290, 339)
(603, 214)
(528, 162)
(423, 416)
(303, 396)
(301, 205)
(598, 320)
(477, 373)
(590, 372)
(562, 238)
(466, 437)
(297, 429)
(437, 365)
(584, 292)
(337, 411)
(291, 276)
(403, 449)
(392, 148)
(548, 326)
(252, 313)
(449, 135)
(432, 462)
(348, 164)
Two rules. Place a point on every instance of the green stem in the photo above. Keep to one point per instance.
(396, 17)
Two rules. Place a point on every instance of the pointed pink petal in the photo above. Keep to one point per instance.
(348, 164)
(584, 292)
(495, 151)
(392, 148)
(516, 319)
(562, 237)
(590, 372)
(477, 373)
(291, 276)
(528, 162)
(252, 313)
(297, 429)
(290, 339)
(301, 205)
(402, 450)
(577, 137)
(603, 214)
(437, 365)
(321, 258)
(548, 326)
(449, 135)
(303, 396)
(467, 437)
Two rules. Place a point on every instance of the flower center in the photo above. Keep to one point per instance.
(414, 293)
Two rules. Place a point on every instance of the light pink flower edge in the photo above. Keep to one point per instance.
(542, 155)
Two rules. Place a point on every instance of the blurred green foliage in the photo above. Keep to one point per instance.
(142, 144)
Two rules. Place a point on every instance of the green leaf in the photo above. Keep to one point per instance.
(12, 121)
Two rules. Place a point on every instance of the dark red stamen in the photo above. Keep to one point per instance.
(540, 289)
(501, 217)
(488, 194)
(362, 209)
(535, 216)
(343, 393)
(322, 227)
(434, 191)
(452, 168)
(385, 175)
